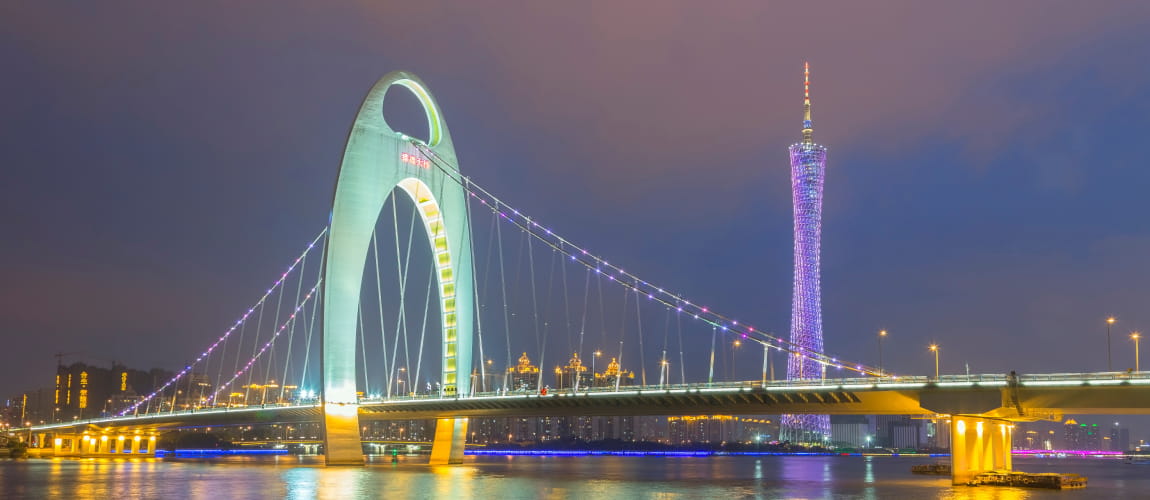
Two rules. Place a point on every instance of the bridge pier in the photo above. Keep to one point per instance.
(341, 439)
(979, 445)
(450, 438)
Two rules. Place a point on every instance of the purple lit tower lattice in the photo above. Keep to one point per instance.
(808, 166)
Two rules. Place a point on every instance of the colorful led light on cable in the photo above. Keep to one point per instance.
(227, 333)
(269, 343)
(671, 300)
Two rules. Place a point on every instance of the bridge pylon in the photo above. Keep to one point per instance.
(377, 160)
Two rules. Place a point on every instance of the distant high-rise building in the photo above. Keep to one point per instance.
(851, 431)
(1119, 438)
(1078, 436)
(524, 375)
(900, 431)
(84, 390)
(808, 165)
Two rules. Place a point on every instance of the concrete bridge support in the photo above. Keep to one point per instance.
(450, 437)
(979, 445)
(377, 163)
(341, 440)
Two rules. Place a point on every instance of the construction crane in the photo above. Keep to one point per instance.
(61, 355)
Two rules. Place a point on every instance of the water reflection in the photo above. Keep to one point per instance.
(533, 477)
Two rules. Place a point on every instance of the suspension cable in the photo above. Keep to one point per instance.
(223, 338)
(379, 303)
(314, 314)
(291, 318)
(291, 333)
(720, 322)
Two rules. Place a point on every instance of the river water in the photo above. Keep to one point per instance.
(513, 477)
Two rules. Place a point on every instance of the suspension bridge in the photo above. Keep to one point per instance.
(427, 296)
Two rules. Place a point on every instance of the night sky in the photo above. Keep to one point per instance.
(986, 185)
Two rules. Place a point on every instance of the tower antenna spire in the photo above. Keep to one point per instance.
(808, 128)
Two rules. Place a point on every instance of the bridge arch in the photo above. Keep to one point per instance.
(376, 161)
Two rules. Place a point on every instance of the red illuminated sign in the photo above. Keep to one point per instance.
(415, 160)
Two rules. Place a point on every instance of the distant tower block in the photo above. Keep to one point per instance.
(808, 166)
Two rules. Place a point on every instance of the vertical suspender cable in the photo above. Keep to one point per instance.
(314, 310)
(679, 331)
(423, 328)
(546, 314)
(474, 276)
(291, 333)
(639, 331)
(663, 367)
(711, 372)
(270, 360)
(766, 357)
(379, 303)
(583, 321)
(255, 347)
(534, 302)
(567, 310)
(503, 291)
(239, 347)
(362, 333)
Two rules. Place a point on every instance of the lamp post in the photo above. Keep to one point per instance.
(881, 335)
(1109, 323)
(593, 358)
(399, 380)
(934, 348)
(734, 348)
(1136, 336)
(489, 363)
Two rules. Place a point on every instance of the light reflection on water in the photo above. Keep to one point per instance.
(506, 478)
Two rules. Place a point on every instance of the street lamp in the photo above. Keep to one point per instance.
(881, 335)
(1109, 323)
(934, 348)
(734, 348)
(593, 358)
(1136, 336)
(399, 380)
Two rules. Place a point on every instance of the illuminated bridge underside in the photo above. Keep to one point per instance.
(993, 398)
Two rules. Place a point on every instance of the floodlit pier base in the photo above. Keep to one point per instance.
(450, 437)
(341, 440)
(979, 445)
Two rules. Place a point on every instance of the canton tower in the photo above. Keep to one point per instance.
(808, 166)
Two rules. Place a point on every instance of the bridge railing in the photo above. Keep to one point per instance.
(1086, 378)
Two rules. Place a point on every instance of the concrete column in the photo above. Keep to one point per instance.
(57, 445)
(341, 440)
(118, 445)
(450, 437)
(135, 445)
(978, 445)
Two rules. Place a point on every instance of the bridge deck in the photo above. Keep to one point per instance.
(1027, 397)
